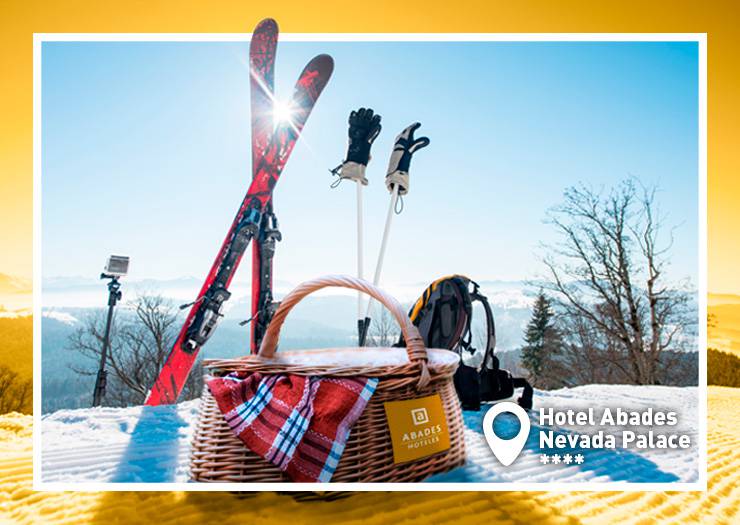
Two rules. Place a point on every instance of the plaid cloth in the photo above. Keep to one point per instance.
(300, 424)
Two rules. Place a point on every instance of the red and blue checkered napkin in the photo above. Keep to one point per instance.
(298, 423)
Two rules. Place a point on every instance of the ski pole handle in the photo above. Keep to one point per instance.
(400, 162)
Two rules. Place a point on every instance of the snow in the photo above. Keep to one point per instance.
(14, 314)
(137, 444)
(15, 432)
(151, 444)
(359, 356)
(62, 317)
(600, 465)
(20, 504)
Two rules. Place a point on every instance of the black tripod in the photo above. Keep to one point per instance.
(114, 295)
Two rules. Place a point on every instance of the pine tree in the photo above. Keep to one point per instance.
(542, 342)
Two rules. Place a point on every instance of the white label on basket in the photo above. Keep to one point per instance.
(418, 428)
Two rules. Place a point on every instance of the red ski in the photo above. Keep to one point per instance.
(262, 49)
(206, 310)
(262, 63)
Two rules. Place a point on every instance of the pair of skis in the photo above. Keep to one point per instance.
(272, 144)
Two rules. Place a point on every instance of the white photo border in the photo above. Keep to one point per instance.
(699, 38)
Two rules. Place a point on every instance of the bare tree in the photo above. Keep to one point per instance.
(15, 392)
(588, 357)
(711, 323)
(140, 342)
(607, 276)
(384, 330)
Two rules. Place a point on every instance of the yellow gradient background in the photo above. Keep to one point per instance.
(20, 19)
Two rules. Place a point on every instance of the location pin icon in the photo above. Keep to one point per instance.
(506, 450)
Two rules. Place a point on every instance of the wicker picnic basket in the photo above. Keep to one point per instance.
(217, 455)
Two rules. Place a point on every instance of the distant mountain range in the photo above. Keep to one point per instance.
(714, 299)
(14, 285)
(331, 312)
(322, 320)
(90, 292)
(16, 296)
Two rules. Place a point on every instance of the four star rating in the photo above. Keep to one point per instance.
(565, 459)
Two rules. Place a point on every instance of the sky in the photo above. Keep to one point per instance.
(146, 152)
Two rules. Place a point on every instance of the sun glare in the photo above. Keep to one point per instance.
(282, 111)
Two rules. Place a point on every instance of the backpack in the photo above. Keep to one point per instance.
(443, 314)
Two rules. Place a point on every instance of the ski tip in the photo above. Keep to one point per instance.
(266, 26)
(267, 23)
(323, 62)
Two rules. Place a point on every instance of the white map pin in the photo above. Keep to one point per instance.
(506, 450)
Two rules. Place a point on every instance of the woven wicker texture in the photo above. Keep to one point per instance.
(217, 455)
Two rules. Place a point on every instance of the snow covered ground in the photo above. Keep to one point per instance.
(151, 444)
(599, 465)
(137, 444)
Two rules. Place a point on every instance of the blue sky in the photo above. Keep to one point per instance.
(146, 152)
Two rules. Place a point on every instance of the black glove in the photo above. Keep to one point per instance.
(398, 167)
(364, 127)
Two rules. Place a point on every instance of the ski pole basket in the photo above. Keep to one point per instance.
(405, 376)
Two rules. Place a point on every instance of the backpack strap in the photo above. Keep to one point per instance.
(462, 286)
(475, 295)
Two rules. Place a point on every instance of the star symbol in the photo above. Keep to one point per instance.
(579, 458)
(544, 459)
(567, 459)
(556, 459)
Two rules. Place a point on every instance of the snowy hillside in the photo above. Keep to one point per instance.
(152, 443)
(321, 321)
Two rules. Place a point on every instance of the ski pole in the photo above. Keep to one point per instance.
(397, 182)
(364, 127)
(360, 255)
(365, 322)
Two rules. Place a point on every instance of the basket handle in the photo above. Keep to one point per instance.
(414, 343)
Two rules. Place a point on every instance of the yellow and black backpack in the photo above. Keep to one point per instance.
(443, 314)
